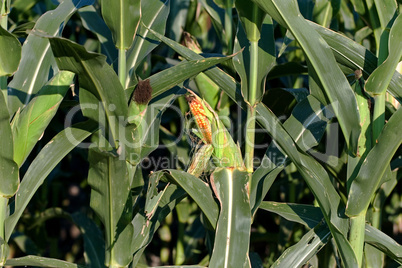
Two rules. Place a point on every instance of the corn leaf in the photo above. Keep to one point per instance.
(368, 179)
(379, 80)
(32, 121)
(41, 262)
(154, 16)
(307, 215)
(143, 235)
(234, 224)
(54, 151)
(383, 242)
(37, 58)
(111, 200)
(305, 249)
(94, 23)
(336, 87)
(122, 17)
(8, 167)
(266, 58)
(199, 191)
(10, 53)
(355, 56)
(96, 76)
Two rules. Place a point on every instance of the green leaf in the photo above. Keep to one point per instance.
(323, 62)
(37, 59)
(374, 166)
(96, 76)
(234, 224)
(386, 10)
(307, 215)
(251, 17)
(147, 228)
(378, 81)
(41, 262)
(355, 56)
(111, 200)
(306, 125)
(122, 17)
(154, 16)
(8, 168)
(224, 3)
(384, 243)
(217, 16)
(199, 191)
(94, 23)
(10, 53)
(266, 58)
(150, 133)
(36, 116)
(305, 249)
(166, 79)
(359, 6)
(94, 244)
(54, 151)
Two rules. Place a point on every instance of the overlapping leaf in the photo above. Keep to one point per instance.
(8, 167)
(10, 53)
(54, 151)
(36, 55)
(122, 17)
(32, 121)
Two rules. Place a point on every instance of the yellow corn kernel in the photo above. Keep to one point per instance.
(197, 109)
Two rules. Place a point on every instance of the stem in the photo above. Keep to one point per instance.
(3, 23)
(356, 236)
(252, 93)
(122, 67)
(3, 215)
(180, 256)
(378, 116)
(229, 29)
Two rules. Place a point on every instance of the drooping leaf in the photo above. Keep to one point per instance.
(307, 215)
(96, 76)
(143, 235)
(8, 167)
(323, 62)
(199, 191)
(383, 242)
(378, 81)
(10, 53)
(234, 224)
(36, 116)
(111, 200)
(306, 125)
(305, 249)
(122, 17)
(150, 129)
(173, 76)
(93, 22)
(41, 262)
(94, 244)
(373, 168)
(154, 16)
(355, 56)
(54, 151)
(37, 58)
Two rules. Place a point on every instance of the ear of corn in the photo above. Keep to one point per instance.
(225, 151)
